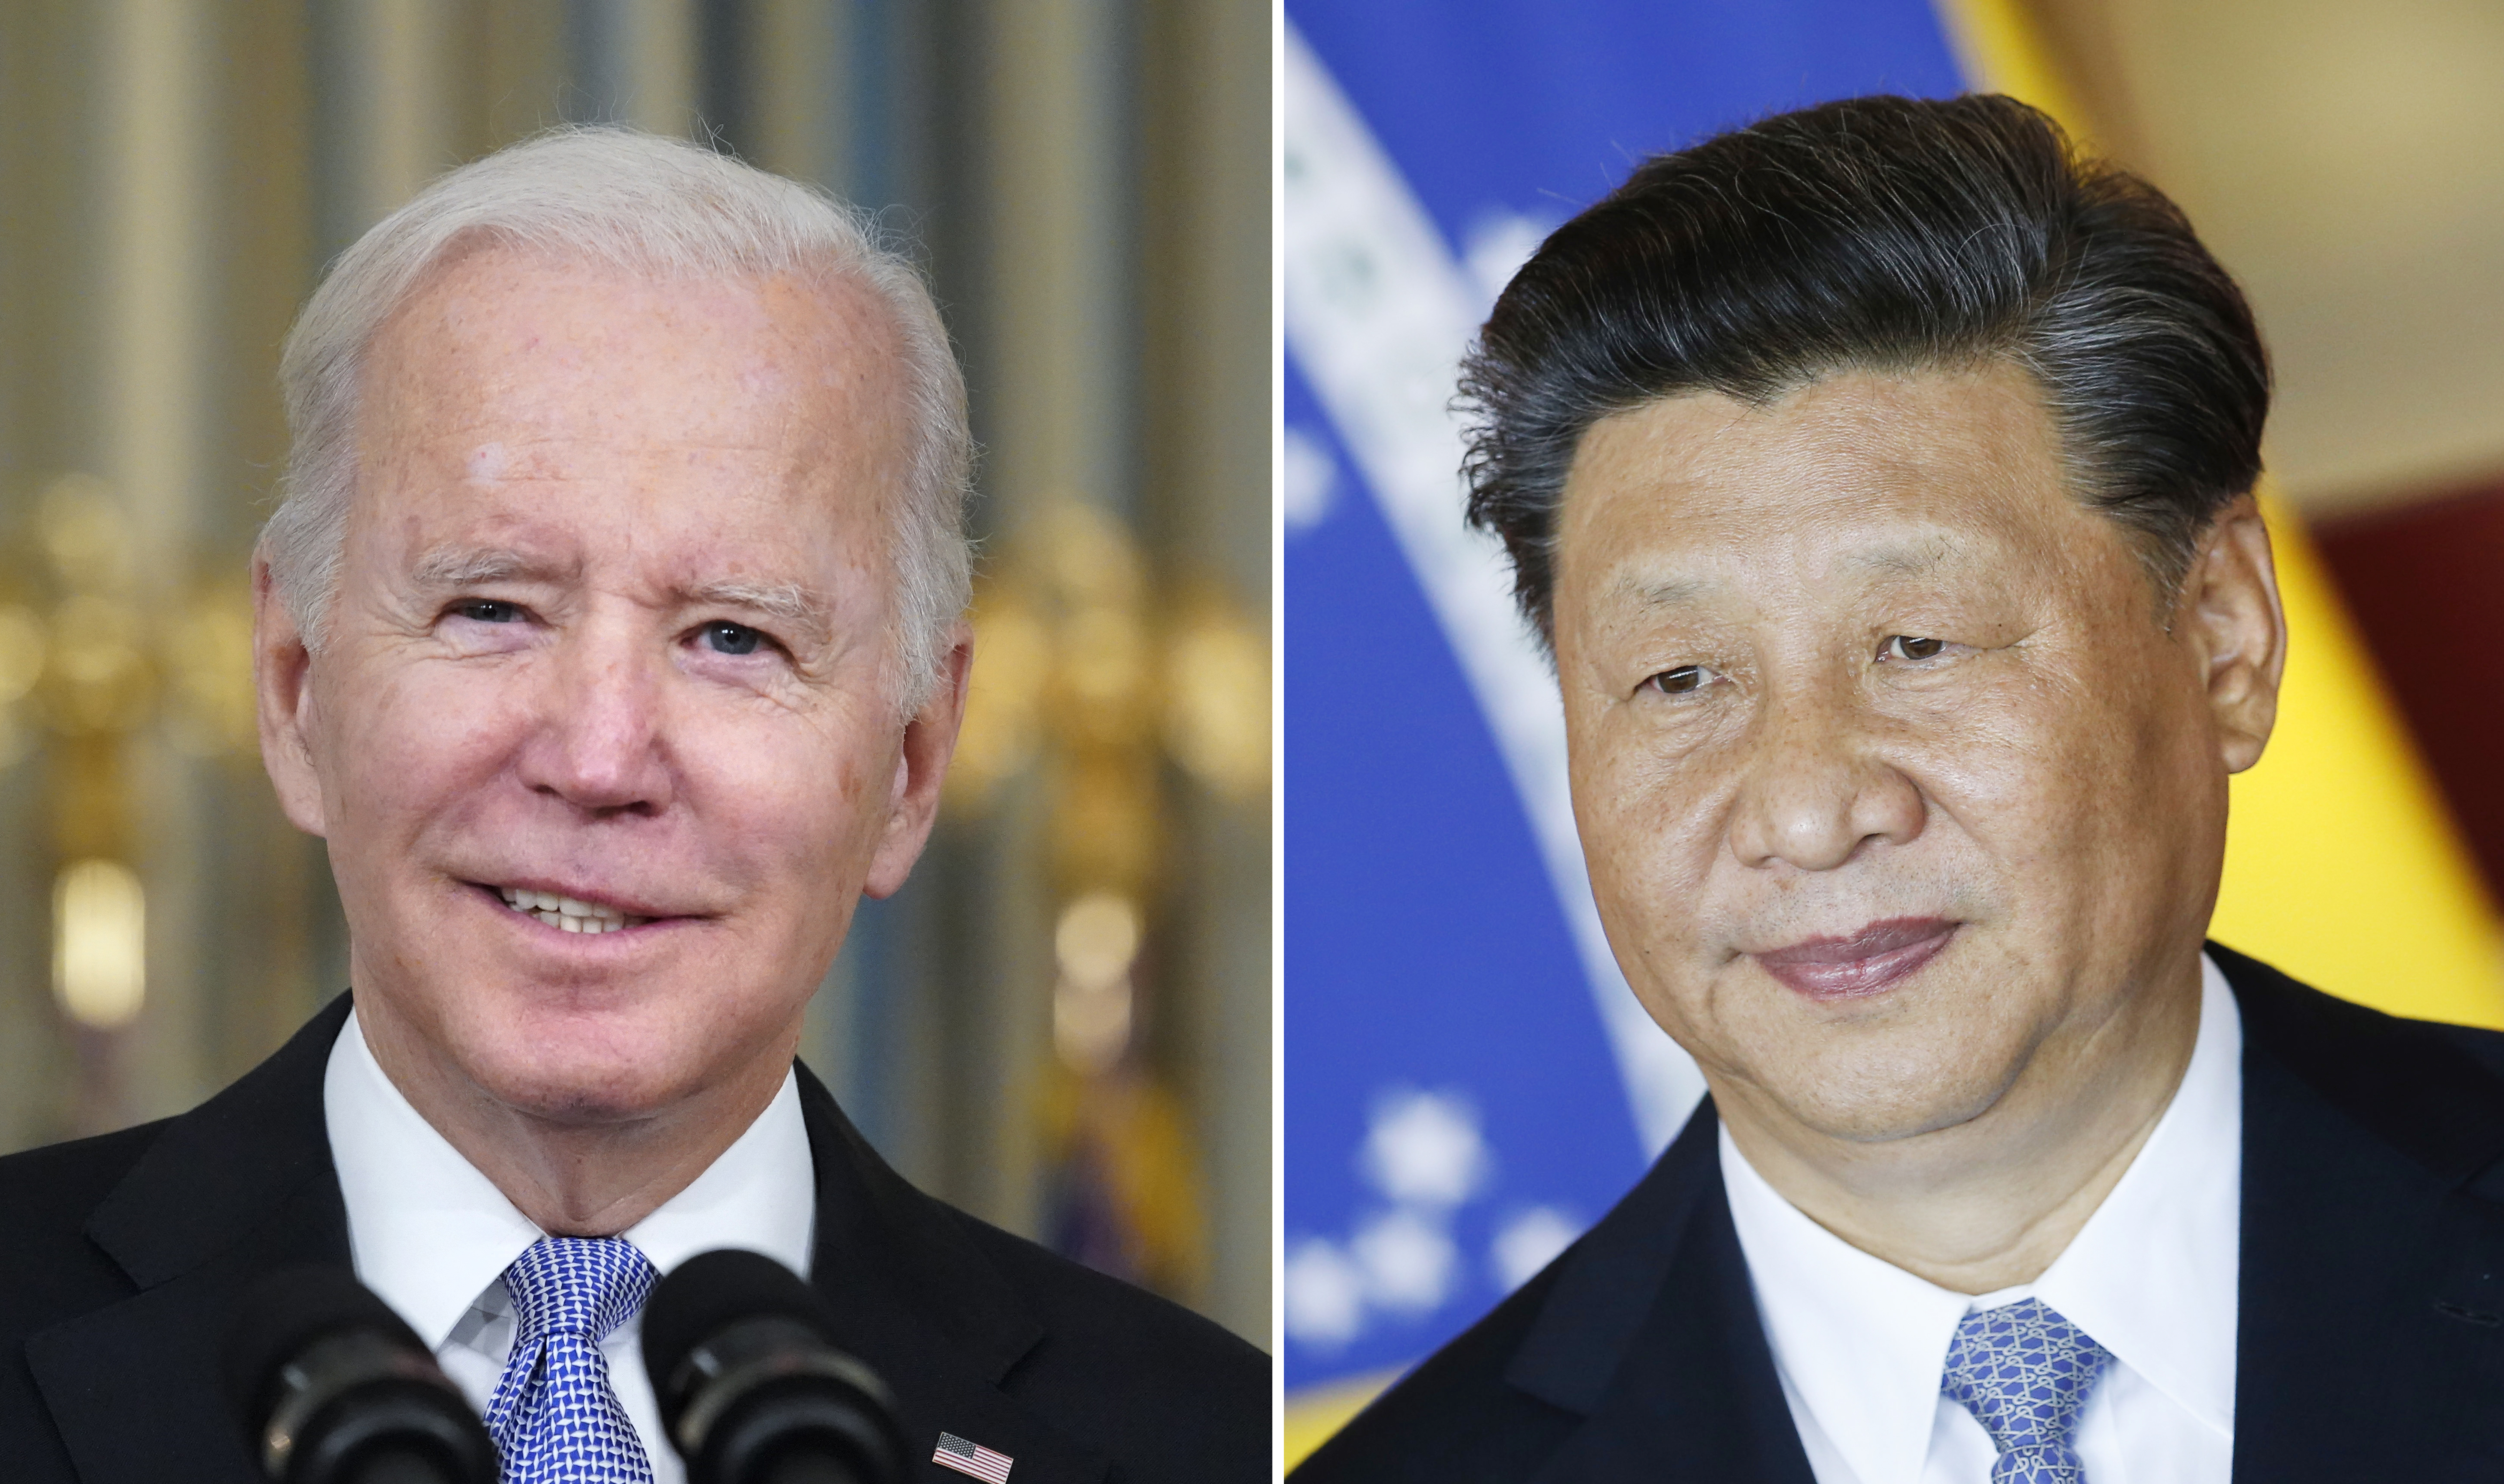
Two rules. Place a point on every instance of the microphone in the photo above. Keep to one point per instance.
(753, 1390)
(333, 1388)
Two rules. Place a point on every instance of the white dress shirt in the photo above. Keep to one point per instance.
(1860, 1343)
(434, 1236)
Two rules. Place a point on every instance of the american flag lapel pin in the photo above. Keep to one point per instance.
(973, 1459)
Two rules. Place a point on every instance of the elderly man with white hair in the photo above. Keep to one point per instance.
(609, 634)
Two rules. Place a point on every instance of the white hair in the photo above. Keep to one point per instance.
(638, 201)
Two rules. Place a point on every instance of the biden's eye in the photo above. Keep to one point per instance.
(488, 610)
(1683, 680)
(1904, 646)
(723, 637)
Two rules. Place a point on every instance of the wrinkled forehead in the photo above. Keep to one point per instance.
(689, 430)
(1886, 471)
(531, 343)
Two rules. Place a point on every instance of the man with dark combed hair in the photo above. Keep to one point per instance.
(1879, 477)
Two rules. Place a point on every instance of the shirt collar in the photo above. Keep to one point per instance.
(2151, 1276)
(431, 1234)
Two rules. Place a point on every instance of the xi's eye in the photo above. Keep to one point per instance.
(488, 610)
(1686, 678)
(1904, 646)
(726, 637)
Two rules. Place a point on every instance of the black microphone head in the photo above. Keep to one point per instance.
(288, 1311)
(752, 1386)
(715, 1290)
(333, 1387)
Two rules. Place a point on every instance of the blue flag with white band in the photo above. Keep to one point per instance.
(1468, 1083)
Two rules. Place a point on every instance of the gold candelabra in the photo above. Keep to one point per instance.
(1092, 681)
(95, 652)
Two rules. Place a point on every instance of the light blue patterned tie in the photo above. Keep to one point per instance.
(553, 1416)
(2024, 1372)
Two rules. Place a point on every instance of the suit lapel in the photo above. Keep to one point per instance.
(243, 1185)
(918, 1302)
(238, 1188)
(1652, 1332)
(2371, 1307)
(2371, 1333)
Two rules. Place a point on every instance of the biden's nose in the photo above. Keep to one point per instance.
(600, 740)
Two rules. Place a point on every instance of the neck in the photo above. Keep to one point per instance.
(1988, 1202)
(590, 1179)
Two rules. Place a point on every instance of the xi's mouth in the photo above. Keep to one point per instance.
(1870, 961)
(567, 913)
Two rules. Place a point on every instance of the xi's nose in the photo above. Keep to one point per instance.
(1815, 789)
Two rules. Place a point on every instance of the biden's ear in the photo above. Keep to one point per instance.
(922, 766)
(282, 675)
(2231, 616)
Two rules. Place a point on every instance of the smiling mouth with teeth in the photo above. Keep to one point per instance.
(568, 914)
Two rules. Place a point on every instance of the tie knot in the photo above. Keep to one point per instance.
(2024, 1371)
(583, 1286)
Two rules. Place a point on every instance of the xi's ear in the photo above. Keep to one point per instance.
(282, 675)
(922, 766)
(2231, 616)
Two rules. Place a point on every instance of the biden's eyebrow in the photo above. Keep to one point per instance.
(788, 604)
(448, 566)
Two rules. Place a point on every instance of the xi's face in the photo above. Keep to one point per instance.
(1896, 789)
(613, 626)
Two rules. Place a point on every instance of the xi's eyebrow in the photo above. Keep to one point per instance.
(1903, 559)
(1664, 591)
(788, 602)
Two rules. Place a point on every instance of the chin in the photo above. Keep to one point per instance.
(1880, 1099)
(1890, 1120)
(586, 1090)
(573, 1069)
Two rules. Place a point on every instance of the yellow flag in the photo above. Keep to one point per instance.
(2343, 866)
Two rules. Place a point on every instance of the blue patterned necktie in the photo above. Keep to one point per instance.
(2025, 1373)
(554, 1417)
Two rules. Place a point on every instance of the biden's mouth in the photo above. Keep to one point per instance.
(566, 913)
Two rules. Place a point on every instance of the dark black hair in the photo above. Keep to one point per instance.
(1877, 234)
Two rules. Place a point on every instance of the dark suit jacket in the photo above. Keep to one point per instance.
(2371, 1329)
(123, 1258)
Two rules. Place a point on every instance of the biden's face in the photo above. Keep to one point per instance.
(604, 733)
(1900, 787)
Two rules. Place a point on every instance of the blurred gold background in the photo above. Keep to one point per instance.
(1062, 1023)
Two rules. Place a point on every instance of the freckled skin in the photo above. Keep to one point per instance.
(1860, 655)
(584, 722)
